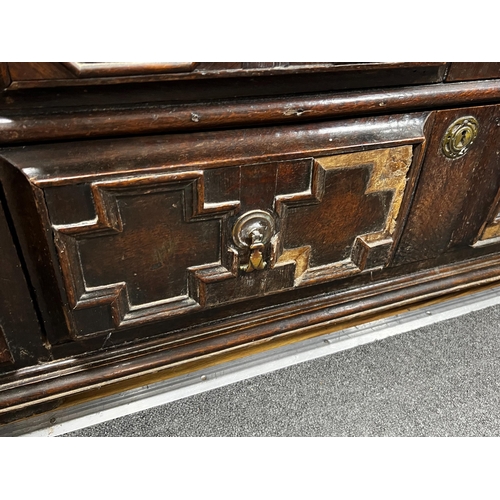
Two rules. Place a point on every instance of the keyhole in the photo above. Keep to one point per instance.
(462, 139)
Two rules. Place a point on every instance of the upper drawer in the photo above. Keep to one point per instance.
(54, 87)
(461, 71)
(123, 234)
(57, 74)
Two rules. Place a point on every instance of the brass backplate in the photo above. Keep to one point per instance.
(459, 136)
(254, 220)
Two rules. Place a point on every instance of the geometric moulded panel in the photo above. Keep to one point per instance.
(490, 233)
(161, 245)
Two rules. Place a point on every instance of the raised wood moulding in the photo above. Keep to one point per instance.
(137, 232)
(490, 232)
(473, 71)
(4, 75)
(156, 218)
(61, 74)
(5, 354)
(36, 386)
(39, 126)
(100, 69)
(158, 248)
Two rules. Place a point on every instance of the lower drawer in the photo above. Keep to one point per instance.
(128, 239)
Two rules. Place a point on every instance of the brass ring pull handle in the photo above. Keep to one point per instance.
(459, 136)
(251, 232)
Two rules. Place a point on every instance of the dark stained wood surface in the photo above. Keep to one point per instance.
(473, 71)
(148, 233)
(26, 206)
(60, 380)
(38, 71)
(4, 75)
(87, 70)
(29, 71)
(105, 92)
(454, 196)
(21, 340)
(5, 354)
(63, 163)
(40, 125)
(120, 249)
(63, 74)
(490, 231)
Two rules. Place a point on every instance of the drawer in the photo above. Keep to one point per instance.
(472, 71)
(131, 238)
(457, 202)
(215, 79)
(20, 336)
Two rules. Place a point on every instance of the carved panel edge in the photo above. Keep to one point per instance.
(388, 172)
(5, 353)
(108, 221)
(490, 233)
(370, 251)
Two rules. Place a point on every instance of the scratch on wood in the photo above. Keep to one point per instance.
(108, 336)
(297, 112)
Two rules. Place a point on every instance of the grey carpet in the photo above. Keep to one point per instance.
(440, 380)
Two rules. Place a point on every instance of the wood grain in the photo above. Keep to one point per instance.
(16, 126)
(35, 71)
(62, 163)
(448, 211)
(65, 379)
(121, 195)
(88, 70)
(5, 354)
(490, 232)
(4, 76)
(473, 71)
(21, 339)
(29, 75)
(146, 237)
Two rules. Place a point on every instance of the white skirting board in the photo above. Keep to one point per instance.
(77, 417)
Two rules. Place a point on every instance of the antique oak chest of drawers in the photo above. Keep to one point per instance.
(159, 217)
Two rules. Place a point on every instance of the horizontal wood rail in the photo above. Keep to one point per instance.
(157, 119)
(44, 387)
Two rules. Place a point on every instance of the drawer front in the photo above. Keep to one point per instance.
(456, 204)
(158, 246)
(490, 231)
(149, 230)
(472, 71)
(334, 75)
(21, 341)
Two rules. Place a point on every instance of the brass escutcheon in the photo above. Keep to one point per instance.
(252, 231)
(459, 136)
